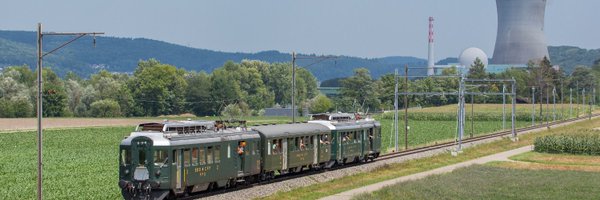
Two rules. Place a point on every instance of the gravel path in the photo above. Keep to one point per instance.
(287, 185)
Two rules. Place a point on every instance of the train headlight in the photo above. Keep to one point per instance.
(126, 171)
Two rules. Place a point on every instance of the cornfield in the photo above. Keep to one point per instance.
(585, 143)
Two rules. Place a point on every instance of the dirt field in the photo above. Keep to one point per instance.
(19, 124)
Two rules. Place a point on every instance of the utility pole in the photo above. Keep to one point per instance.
(406, 107)
(577, 98)
(503, 106)
(591, 103)
(533, 106)
(40, 56)
(472, 115)
(461, 114)
(547, 104)
(562, 100)
(570, 102)
(396, 110)
(583, 100)
(594, 98)
(293, 87)
(514, 108)
(554, 104)
(39, 113)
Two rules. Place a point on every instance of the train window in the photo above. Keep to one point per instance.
(300, 143)
(125, 157)
(195, 156)
(202, 156)
(345, 138)
(280, 145)
(174, 157)
(270, 147)
(276, 146)
(209, 155)
(291, 144)
(141, 157)
(186, 157)
(160, 157)
(256, 151)
(217, 154)
(324, 139)
(307, 142)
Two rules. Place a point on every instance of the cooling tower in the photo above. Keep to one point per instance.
(520, 32)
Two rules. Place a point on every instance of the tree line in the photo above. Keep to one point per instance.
(362, 93)
(155, 89)
(248, 87)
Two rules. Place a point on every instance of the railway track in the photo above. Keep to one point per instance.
(476, 138)
(383, 157)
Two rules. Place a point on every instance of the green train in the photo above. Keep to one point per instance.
(168, 160)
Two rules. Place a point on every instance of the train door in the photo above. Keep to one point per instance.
(370, 139)
(365, 142)
(179, 166)
(316, 149)
(340, 141)
(284, 150)
(142, 158)
(241, 151)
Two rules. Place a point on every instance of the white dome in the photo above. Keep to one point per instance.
(468, 56)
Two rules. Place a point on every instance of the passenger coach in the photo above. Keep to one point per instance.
(293, 147)
(185, 157)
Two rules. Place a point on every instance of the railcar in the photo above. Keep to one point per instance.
(352, 139)
(293, 147)
(176, 160)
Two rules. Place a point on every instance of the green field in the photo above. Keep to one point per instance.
(429, 132)
(488, 182)
(438, 124)
(78, 163)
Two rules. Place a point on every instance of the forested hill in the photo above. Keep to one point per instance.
(122, 55)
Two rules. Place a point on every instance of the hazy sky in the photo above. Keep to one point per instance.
(342, 27)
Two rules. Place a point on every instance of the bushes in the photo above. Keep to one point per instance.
(586, 143)
(105, 108)
(19, 108)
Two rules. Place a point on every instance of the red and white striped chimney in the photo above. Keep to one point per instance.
(430, 59)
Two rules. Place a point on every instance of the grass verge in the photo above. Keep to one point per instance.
(560, 159)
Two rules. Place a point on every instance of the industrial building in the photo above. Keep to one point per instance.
(520, 39)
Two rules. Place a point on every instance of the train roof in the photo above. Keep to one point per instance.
(166, 139)
(345, 125)
(333, 116)
(179, 126)
(279, 130)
